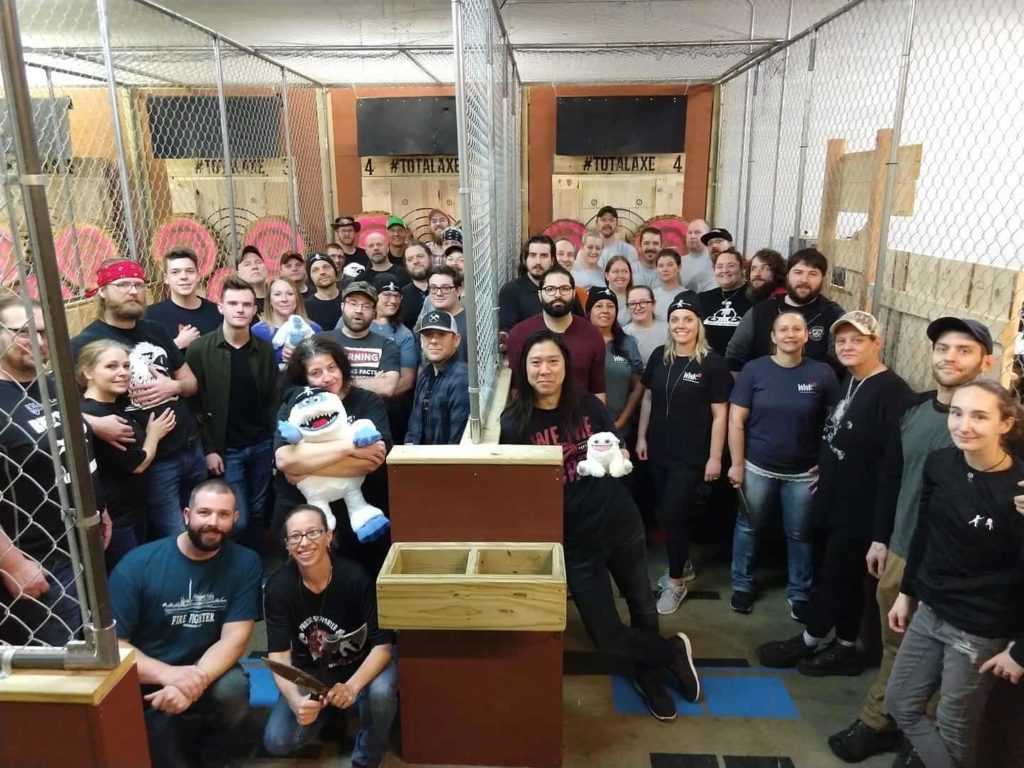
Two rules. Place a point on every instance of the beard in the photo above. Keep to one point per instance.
(127, 310)
(797, 299)
(759, 293)
(196, 537)
(557, 308)
(356, 325)
(419, 274)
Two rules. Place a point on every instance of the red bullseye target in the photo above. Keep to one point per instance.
(673, 232)
(215, 285)
(273, 236)
(569, 229)
(94, 246)
(187, 232)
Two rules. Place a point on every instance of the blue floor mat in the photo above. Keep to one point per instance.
(740, 695)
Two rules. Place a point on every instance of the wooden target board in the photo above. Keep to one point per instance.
(405, 183)
(648, 185)
(198, 188)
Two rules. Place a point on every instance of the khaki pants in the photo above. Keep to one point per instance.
(874, 713)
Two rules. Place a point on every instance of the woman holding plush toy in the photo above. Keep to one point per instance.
(319, 362)
(602, 528)
(683, 419)
(285, 301)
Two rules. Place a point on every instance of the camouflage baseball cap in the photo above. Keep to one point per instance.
(863, 321)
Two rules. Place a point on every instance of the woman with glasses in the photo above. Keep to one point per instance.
(618, 275)
(320, 362)
(649, 332)
(285, 300)
(321, 614)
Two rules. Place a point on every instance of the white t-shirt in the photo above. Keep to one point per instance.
(618, 248)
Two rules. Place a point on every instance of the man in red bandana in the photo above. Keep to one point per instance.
(160, 380)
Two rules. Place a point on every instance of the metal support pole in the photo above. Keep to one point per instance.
(894, 149)
(289, 164)
(748, 106)
(101, 649)
(229, 177)
(325, 159)
(750, 161)
(495, 216)
(465, 203)
(805, 131)
(122, 161)
(65, 173)
(778, 130)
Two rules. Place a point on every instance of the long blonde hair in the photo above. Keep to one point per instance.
(700, 349)
(90, 355)
(300, 305)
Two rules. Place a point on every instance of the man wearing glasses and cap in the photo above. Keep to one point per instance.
(375, 360)
(441, 401)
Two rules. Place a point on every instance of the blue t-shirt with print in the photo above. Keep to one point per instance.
(788, 407)
(172, 608)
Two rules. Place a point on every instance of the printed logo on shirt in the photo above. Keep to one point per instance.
(816, 333)
(145, 358)
(693, 377)
(807, 389)
(725, 316)
(330, 644)
(355, 269)
(365, 361)
(34, 408)
(40, 424)
(195, 610)
(982, 522)
(572, 449)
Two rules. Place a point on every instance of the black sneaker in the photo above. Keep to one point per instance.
(860, 741)
(908, 758)
(683, 668)
(784, 654)
(798, 610)
(742, 602)
(654, 694)
(836, 660)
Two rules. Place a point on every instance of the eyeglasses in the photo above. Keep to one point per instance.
(558, 290)
(359, 305)
(638, 304)
(441, 290)
(294, 539)
(127, 286)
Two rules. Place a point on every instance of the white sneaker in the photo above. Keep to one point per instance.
(671, 598)
(688, 575)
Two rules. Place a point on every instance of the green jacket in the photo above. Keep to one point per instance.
(210, 360)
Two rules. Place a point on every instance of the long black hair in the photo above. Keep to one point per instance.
(570, 401)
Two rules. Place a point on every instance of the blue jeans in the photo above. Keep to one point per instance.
(248, 471)
(377, 704)
(763, 493)
(171, 480)
(207, 732)
(54, 618)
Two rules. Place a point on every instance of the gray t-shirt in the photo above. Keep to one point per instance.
(617, 371)
(663, 299)
(585, 277)
(649, 338)
(697, 272)
(619, 248)
(644, 276)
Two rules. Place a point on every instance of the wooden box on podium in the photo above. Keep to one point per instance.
(479, 696)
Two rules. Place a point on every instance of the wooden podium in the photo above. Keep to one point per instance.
(73, 719)
(479, 697)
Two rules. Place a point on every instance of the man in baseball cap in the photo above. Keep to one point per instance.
(441, 400)
(717, 240)
(976, 330)
(608, 225)
(398, 238)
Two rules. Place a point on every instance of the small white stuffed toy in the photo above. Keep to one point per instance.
(294, 331)
(604, 457)
(318, 416)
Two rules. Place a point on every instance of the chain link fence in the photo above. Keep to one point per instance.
(878, 136)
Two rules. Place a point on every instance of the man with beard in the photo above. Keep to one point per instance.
(186, 605)
(849, 465)
(725, 305)
(767, 275)
(185, 315)
(696, 272)
(585, 342)
(236, 375)
(376, 360)
(417, 264)
(253, 270)
(518, 299)
(961, 352)
(645, 271)
(380, 261)
(346, 228)
(608, 226)
(324, 305)
(438, 221)
(161, 379)
(441, 402)
(804, 281)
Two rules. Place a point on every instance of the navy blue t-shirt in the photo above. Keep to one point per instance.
(788, 407)
(172, 608)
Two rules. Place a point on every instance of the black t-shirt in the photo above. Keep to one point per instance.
(396, 272)
(517, 300)
(679, 432)
(30, 508)
(329, 633)
(412, 303)
(852, 449)
(125, 492)
(246, 425)
(359, 404)
(723, 311)
(150, 346)
(324, 312)
(589, 503)
(171, 317)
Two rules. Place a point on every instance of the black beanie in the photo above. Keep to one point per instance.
(599, 292)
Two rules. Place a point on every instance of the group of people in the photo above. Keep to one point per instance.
(730, 381)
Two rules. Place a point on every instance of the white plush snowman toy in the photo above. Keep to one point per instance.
(604, 457)
(318, 416)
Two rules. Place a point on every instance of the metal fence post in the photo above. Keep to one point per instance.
(325, 159)
(750, 160)
(778, 129)
(465, 203)
(65, 173)
(805, 131)
(122, 160)
(293, 205)
(226, 149)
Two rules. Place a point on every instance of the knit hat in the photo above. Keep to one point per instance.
(600, 293)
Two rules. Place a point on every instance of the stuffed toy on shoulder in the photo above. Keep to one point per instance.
(318, 416)
(604, 457)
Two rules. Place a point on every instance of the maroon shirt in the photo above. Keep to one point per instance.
(586, 347)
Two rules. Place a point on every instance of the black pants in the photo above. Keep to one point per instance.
(622, 552)
(837, 600)
(677, 493)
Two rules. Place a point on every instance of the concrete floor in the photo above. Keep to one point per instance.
(595, 736)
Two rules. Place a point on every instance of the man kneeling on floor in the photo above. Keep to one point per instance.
(187, 604)
(322, 619)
